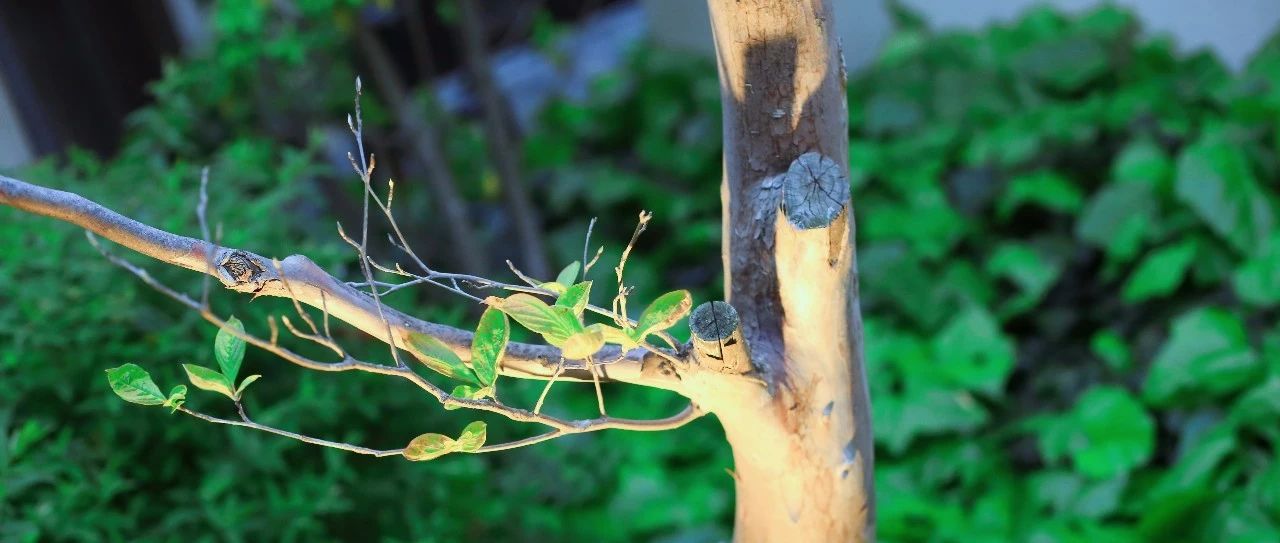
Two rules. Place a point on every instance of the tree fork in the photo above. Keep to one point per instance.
(802, 446)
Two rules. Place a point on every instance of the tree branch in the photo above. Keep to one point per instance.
(246, 272)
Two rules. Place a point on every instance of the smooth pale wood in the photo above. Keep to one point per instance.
(802, 445)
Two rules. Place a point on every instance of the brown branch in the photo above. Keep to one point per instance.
(246, 272)
(502, 144)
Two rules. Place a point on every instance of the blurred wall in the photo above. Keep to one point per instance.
(1234, 29)
(13, 143)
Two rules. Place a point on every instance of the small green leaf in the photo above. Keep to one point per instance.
(133, 384)
(576, 298)
(557, 288)
(207, 379)
(1257, 280)
(614, 335)
(229, 349)
(1113, 434)
(1214, 178)
(1111, 348)
(177, 395)
(469, 392)
(582, 344)
(440, 358)
(245, 384)
(472, 437)
(569, 275)
(554, 324)
(429, 446)
(1207, 355)
(1159, 273)
(492, 334)
(663, 313)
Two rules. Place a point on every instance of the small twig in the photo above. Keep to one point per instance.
(620, 301)
(595, 379)
(586, 247)
(537, 407)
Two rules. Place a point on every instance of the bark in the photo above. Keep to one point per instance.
(802, 446)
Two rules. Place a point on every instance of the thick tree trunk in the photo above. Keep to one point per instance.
(802, 446)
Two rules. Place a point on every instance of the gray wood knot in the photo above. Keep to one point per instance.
(817, 191)
(713, 321)
(240, 267)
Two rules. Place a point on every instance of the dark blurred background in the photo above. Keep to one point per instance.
(1067, 227)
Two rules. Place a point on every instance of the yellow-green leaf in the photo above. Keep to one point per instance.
(133, 384)
(429, 446)
(575, 298)
(583, 344)
(206, 379)
(663, 313)
(468, 392)
(440, 358)
(492, 334)
(614, 335)
(472, 437)
(569, 275)
(245, 384)
(229, 349)
(554, 324)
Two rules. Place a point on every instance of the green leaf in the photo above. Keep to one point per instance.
(207, 379)
(663, 313)
(468, 392)
(245, 384)
(440, 358)
(1257, 281)
(133, 384)
(575, 298)
(429, 446)
(1159, 273)
(1214, 179)
(492, 334)
(554, 324)
(583, 344)
(1112, 434)
(229, 349)
(1119, 218)
(1024, 266)
(1207, 354)
(614, 335)
(1047, 189)
(1111, 348)
(177, 395)
(1143, 161)
(569, 275)
(973, 352)
(472, 437)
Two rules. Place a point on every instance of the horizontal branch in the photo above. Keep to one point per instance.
(247, 272)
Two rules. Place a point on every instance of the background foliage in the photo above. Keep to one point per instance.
(1070, 268)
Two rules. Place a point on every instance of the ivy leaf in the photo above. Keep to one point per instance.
(663, 313)
(554, 324)
(472, 437)
(575, 298)
(1214, 179)
(614, 335)
(245, 384)
(429, 447)
(1257, 281)
(583, 344)
(229, 349)
(133, 384)
(569, 274)
(973, 351)
(1112, 435)
(206, 379)
(1207, 354)
(492, 334)
(440, 358)
(1159, 273)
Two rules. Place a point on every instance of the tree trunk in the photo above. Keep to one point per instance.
(802, 446)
